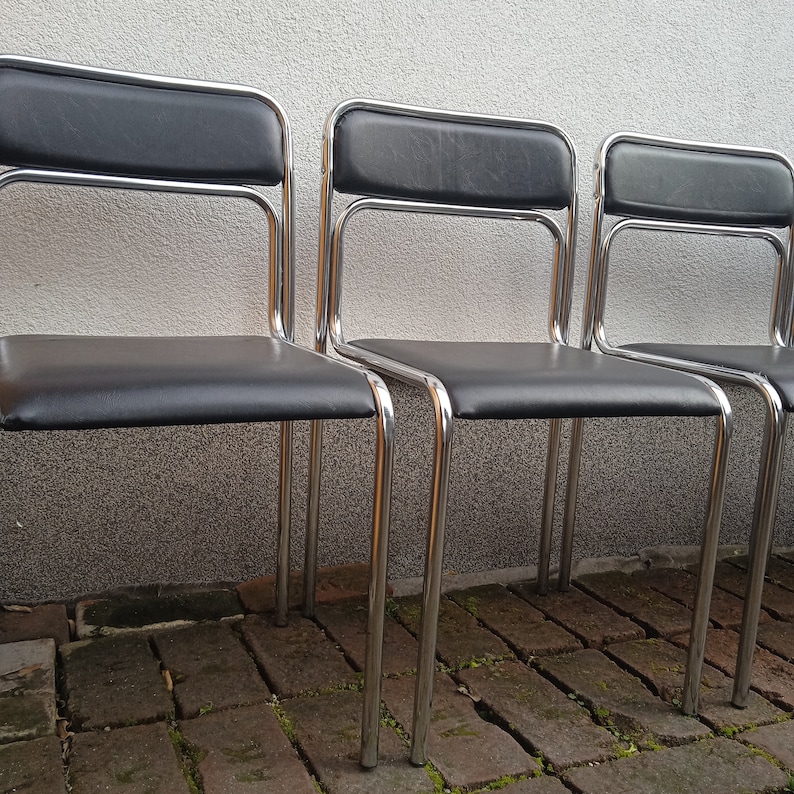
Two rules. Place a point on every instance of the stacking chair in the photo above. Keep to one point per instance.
(73, 125)
(683, 187)
(396, 158)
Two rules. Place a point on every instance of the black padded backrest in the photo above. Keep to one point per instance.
(657, 182)
(95, 124)
(389, 155)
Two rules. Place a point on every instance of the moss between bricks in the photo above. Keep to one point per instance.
(284, 721)
(437, 780)
(440, 787)
(387, 720)
(189, 757)
(471, 605)
(288, 727)
(460, 730)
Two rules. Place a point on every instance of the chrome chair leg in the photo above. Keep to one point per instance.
(431, 597)
(708, 560)
(379, 565)
(760, 542)
(284, 510)
(549, 493)
(571, 493)
(312, 518)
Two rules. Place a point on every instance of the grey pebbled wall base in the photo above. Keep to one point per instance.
(85, 512)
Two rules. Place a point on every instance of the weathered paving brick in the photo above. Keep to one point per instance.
(346, 623)
(34, 766)
(589, 620)
(27, 690)
(114, 681)
(772, 676)
(296, 658)
(334, 585)
(494, 600)
(661, 665)
(776, 600)
(714, 766)
(151, 607)
(618, 698)
(777, 740)
(235, 745)
(460, 638)
(209, 668)
(328, 729)
(538, 785)
(778, 571)
(245, 750)
(522, 626)
(778, 637)
(138, 760)
(468, 751)
(648, 607)
(544, 718)
(44, 620)
(726, 609)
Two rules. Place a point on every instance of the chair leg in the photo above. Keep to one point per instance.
(760, 541)
(379, 559)
(312, 519)
(423, 695)
(549, 493)
(284, 511)
(708, 559)
(571, 492)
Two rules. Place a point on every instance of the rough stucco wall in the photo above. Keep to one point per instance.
(81, 512)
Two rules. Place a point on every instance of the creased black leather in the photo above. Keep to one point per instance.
(387, 155)
(63, 122)
(663, 183)
(80, 382)
(776, 364)
(515, 380)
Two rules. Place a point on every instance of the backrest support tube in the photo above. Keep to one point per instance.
(337, 246)
(427, 160)
(667, 184)
(72, 124)
(780, 249)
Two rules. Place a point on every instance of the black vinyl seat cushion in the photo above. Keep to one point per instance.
(79, 382)
(776, 364)
(515, 380)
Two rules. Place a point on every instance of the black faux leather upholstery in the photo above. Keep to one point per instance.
(388, 155)
(74, 123)
(79, 382)
(514, 380)
(776, 364)
(664, 183)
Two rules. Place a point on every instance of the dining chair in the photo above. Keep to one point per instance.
(70, 125)
(386, 157)
(646, 183)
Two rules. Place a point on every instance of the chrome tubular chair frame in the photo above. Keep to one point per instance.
(362, 393)
(709, 362)
(383, 196)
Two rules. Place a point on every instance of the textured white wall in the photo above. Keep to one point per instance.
(198, 504)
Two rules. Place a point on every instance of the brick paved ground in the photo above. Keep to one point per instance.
(573, 692)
